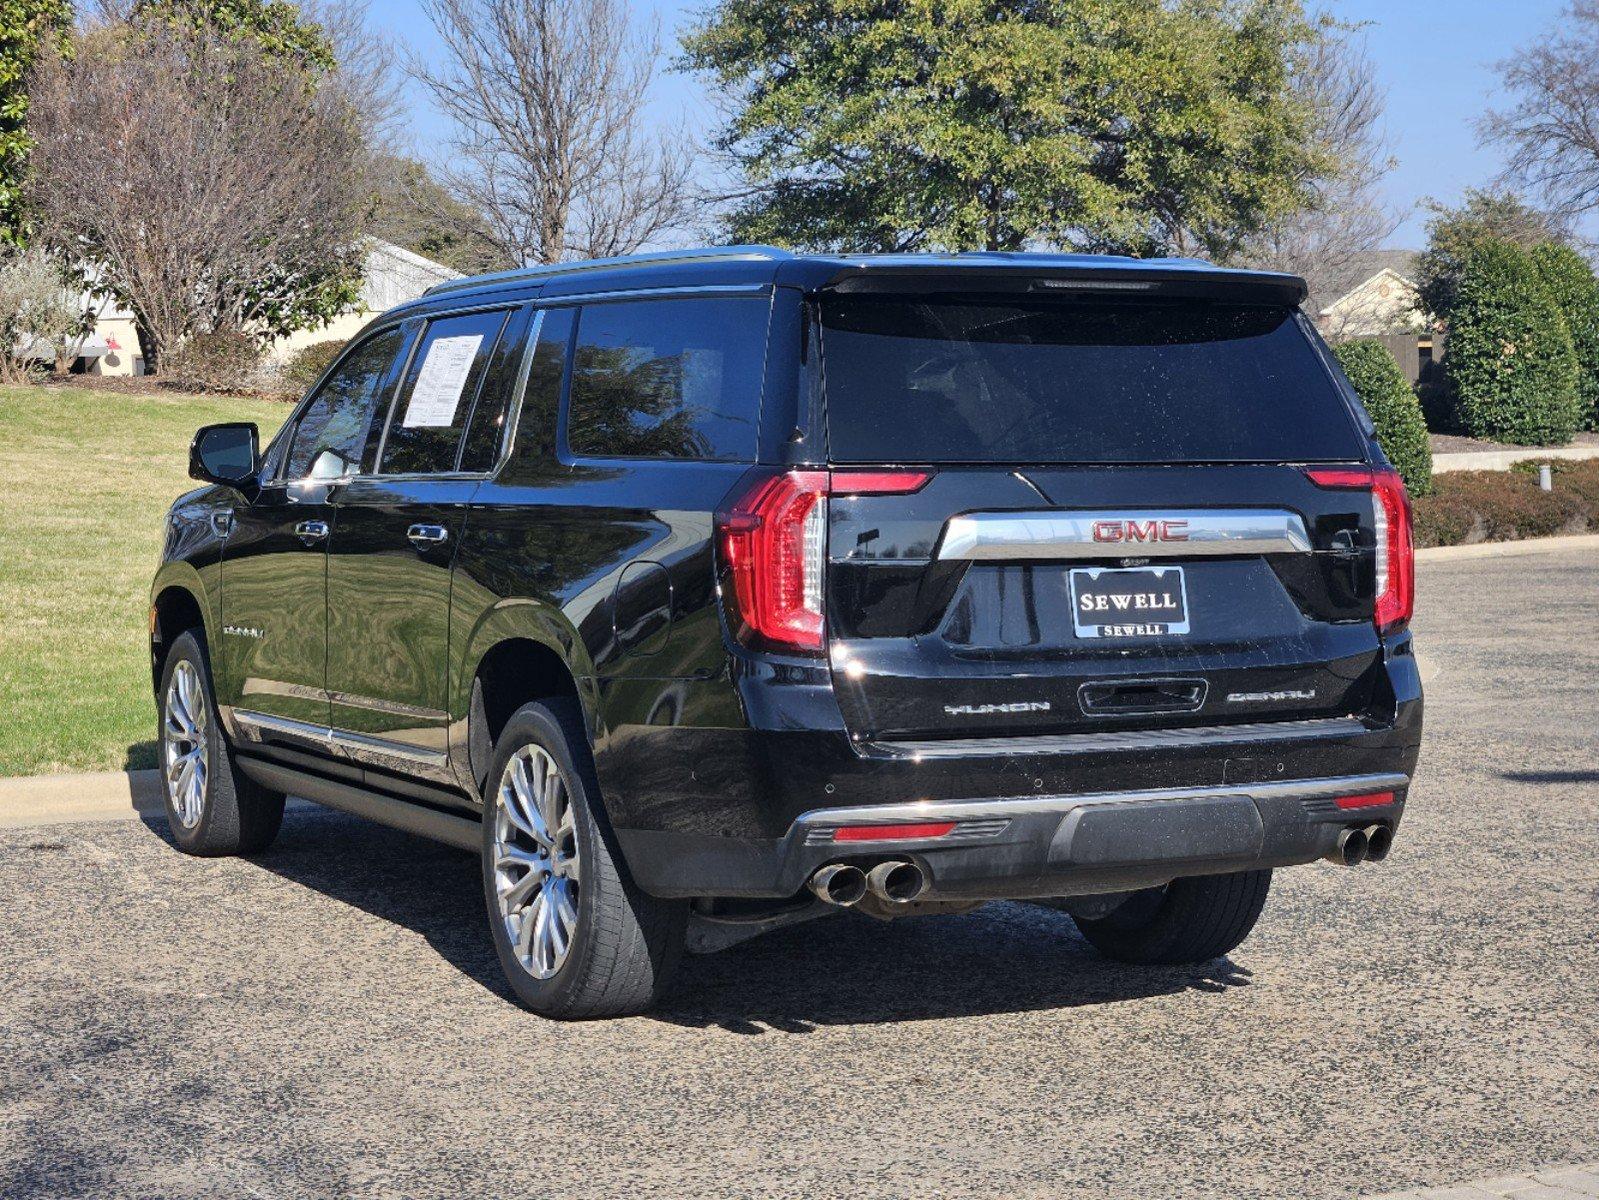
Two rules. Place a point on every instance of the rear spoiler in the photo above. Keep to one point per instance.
(947, 277)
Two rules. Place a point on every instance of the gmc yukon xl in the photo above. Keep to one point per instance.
(708, 592)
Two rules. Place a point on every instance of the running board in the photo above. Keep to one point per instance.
(466, 833)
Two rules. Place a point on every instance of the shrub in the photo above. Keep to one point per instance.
(1511, 367)
(1570, 282)
(224, 360)
(305, 366)
(1499, 506)
(1394, 409)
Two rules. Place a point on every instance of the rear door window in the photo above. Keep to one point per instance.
(1087, 381)
(438, 393)
(676, 378)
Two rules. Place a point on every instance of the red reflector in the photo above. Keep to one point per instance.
(879, 483)
(884, 833)
(1370, 800)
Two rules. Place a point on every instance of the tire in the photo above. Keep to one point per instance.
(621, 945)
(224, 811)
(1187, 921)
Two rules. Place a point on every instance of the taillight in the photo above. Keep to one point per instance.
(1396, 554)
(773, 540)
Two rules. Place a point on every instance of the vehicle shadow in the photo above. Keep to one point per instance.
(141, 756)
(1551, 776)
(841, 970)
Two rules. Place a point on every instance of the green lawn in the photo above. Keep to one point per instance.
(85, 477)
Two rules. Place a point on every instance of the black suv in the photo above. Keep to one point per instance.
(707, 592)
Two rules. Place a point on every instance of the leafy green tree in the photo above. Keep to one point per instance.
(27, 29)
(277, 27)
(1141, 125)
(1510, 363)
(1394, 409)
(1453, 233)
(1569, 280)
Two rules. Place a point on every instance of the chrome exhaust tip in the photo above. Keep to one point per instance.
(1379, 840)
(896, 882)
(839, 884)
(1352, 848)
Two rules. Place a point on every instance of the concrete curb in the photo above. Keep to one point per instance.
(99, 796)
(1501, 460)
(1548, 545)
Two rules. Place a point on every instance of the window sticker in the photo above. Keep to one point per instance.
(439, 384)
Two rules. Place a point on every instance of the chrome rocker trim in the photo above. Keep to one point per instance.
(356, 744)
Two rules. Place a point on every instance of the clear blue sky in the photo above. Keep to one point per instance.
(1434, 58)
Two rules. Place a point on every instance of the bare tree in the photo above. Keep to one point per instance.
(368, 73)
(1345, 217)
(1552, 131)
(552, 144)
(205, 187)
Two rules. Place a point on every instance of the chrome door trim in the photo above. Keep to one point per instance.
(1001, 536)
(355, 745)
(1015, 806)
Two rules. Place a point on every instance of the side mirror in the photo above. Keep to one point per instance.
(226, 454)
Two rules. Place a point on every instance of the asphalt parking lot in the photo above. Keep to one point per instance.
(327, 1020)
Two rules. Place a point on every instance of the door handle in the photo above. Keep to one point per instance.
(427, 535)
(311, 531)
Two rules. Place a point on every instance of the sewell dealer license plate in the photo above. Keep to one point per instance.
(1129, 601)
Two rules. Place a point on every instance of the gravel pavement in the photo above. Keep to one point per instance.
(327, 1020)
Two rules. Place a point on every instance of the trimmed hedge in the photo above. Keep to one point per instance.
(1511, 367)
(1394, 409)
(1570, 282)
(1506, 506)
(223, 360)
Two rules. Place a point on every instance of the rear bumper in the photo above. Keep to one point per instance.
(1030, 846)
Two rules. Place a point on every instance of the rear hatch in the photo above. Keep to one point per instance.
(1056, 514)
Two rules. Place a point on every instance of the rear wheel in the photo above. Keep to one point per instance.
(575, 936)
(212, 807)
(1186, 921)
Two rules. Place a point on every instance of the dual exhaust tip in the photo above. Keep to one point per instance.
(1357, 845)
(895, 881)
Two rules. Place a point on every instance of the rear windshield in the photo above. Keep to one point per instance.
(957, 380)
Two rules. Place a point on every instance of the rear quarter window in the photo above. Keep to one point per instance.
(670, 378)
(1076, 381)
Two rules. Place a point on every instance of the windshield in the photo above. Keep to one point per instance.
(1077, 381)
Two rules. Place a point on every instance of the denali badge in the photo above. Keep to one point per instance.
(985, 710)
(1253, 697)
(1141, 531)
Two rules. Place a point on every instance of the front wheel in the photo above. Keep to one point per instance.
(213, 808)
(575, 936)
(1187, 921)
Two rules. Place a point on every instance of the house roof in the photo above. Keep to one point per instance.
(1358, 270)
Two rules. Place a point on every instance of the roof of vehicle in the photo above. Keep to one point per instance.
(726, 266)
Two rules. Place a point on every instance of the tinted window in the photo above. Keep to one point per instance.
(971, 381)
(436, 397)
(486, 428)
(668, 379)
(340, 416)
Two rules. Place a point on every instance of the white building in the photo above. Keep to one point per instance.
(391, 276)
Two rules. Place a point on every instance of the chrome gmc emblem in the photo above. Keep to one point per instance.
(1141, 531)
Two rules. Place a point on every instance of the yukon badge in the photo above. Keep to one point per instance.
(988, 710)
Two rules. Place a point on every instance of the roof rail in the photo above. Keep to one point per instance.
(703, 254)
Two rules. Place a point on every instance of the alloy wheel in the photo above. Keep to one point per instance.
(536, 869)
(184, 739)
